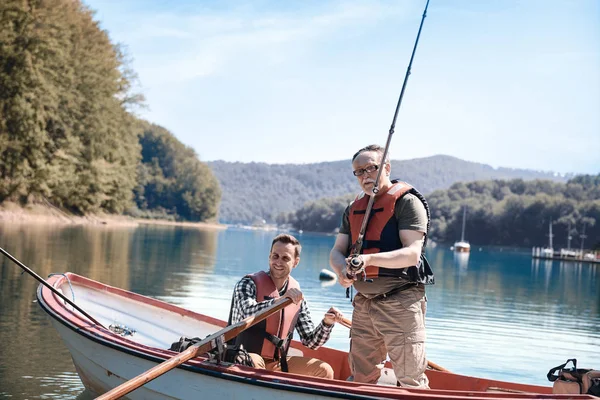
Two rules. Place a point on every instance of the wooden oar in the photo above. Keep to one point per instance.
(348, 324)
(202, 347)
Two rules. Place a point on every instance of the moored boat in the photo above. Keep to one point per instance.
(462, 246)
(134, 332)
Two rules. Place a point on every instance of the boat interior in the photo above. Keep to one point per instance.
(157, 324)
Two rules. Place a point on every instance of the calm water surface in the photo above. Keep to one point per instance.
(495, 314)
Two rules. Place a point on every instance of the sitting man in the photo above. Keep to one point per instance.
(258, 291)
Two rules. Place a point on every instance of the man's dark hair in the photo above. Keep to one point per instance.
(288, 239)
(372, 147)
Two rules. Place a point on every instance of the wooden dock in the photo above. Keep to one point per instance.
(592, 257)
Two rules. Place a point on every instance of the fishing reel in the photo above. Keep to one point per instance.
(356, 267)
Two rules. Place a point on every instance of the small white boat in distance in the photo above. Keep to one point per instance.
(462, 246)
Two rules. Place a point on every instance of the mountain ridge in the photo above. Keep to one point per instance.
(435, 156)
(257, 191)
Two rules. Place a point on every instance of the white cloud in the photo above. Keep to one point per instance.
(211, 42)
(328, 74)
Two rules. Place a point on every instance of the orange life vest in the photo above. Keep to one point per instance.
(271, 337)
(382, 233)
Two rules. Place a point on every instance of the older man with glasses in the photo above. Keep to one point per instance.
(390, 304)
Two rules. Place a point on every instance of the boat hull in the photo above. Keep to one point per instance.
(105, 359)
(462, 247)
(102, 368)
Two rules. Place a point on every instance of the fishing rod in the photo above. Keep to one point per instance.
(356, 263)
(43, 282)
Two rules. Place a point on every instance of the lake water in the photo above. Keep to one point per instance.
(496, 314)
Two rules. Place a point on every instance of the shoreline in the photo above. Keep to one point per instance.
(41, 214)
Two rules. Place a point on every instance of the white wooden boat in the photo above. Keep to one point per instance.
(141, 329)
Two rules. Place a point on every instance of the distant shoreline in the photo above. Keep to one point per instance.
(41, 214)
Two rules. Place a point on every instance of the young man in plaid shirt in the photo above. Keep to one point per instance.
(268, 342)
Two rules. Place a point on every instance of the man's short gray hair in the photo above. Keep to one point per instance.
(372, 147)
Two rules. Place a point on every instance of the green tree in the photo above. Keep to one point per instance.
(172, 180)
(66, 133)
(499, 212)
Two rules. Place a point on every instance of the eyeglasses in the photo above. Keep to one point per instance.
(368, 170)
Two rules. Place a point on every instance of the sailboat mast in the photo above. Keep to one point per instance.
(582, 236)
(462, 235)
(550, 235)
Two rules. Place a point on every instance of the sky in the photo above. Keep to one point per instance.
(508, 83)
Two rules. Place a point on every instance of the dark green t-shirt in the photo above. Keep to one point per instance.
(411, 215)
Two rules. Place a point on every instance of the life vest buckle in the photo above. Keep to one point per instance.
(278, 342)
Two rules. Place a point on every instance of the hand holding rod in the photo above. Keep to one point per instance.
(356, 265)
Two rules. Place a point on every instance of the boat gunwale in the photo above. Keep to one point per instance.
(247, 375)
(270, 379)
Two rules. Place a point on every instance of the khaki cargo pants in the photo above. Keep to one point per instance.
(296, 365)
(393, 325)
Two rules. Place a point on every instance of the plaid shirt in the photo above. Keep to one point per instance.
(245, 305)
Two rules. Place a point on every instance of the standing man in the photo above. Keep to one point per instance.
(390, 304)
(268, 341)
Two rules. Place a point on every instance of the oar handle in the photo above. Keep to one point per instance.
(436, 367)
(348, 324)
(202, 347)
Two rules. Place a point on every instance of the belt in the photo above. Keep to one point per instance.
(393, 291)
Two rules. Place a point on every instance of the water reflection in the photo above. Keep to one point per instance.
(461, 260)
(166, 257)
(332, 282)
(146, 259)
(493, 314)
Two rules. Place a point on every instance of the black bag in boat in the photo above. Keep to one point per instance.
(229, 354)
(184, 343)
(574, 380)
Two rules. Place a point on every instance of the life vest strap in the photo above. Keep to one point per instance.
(281, 352)
(277, 341)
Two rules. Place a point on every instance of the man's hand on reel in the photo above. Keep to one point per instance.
(355, 264)
(345, 279)
(355, 267)
(347, 275)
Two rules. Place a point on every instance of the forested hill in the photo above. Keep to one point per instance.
(256, 191)
(68, 135)
(500, 212)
